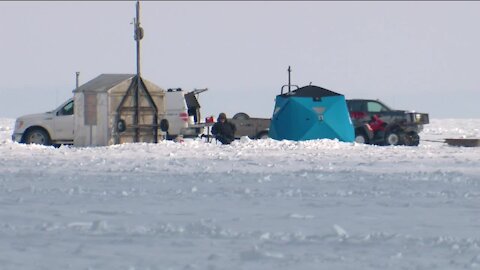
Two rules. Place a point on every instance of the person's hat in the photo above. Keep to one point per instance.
(222, 116)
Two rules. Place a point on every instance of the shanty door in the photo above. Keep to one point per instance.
(134, 116)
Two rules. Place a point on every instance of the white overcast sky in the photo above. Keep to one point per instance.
(422, 56)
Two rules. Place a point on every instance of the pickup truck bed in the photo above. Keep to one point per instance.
(254, 128)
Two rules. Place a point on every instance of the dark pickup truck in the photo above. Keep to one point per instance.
(376, 123)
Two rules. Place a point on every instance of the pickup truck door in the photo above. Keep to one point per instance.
(63, 123)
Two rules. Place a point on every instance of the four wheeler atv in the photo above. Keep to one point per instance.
(376, 123)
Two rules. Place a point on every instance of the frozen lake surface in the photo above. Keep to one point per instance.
(251, 205)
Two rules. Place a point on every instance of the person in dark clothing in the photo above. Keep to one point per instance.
(223, 130)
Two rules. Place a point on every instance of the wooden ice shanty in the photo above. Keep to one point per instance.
(117, 108)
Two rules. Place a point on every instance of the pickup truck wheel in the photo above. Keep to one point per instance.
(37, 136)
(263, 135)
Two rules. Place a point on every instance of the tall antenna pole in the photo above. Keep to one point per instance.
(138, 35)
(289, 84)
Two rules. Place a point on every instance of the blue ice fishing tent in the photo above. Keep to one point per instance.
(311, 112)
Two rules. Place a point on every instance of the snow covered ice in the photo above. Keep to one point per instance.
(252, 205)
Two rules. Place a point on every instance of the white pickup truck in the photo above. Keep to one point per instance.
(53, 127)
(57, 127)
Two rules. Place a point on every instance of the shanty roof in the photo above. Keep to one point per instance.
(103, 82)
(311, 91)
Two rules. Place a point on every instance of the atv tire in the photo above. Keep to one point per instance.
(412, 139)
(394, 138)
(361, 137)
